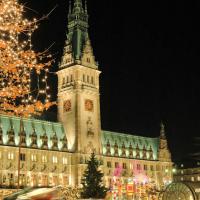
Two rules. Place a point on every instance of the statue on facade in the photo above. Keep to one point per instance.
(123, 150)
(137, 151)
(150, 153)
(116, 153)
(90, 131)
(90, 148)
(54, 140)
(11, 134)
(144, 152)
(130, 151)
(108, 152)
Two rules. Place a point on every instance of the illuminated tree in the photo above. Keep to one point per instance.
(23, 72)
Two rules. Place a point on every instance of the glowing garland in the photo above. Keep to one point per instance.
(18, 62)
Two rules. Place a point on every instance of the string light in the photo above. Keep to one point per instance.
(18, 62)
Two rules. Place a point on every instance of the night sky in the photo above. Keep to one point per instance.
(148, 52)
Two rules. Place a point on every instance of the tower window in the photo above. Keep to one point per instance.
(71, 77)
(92, 80)
(88, 60)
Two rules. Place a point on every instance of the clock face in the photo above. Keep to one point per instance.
(67, 105)
(89, 105)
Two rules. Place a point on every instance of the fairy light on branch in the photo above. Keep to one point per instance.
(18, 63)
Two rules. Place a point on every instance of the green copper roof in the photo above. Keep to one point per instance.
(125, 139)
(29, 125)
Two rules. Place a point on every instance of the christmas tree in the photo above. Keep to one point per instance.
(92, 180)
(23, 72)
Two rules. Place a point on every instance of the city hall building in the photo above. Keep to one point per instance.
(56, 153)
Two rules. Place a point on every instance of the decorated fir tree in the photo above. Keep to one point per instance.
(23, 72)
(92, 180)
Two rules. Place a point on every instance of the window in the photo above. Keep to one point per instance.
(88, 60)
(71, 78)
(55, 159)
(67, 79)
(92, 80)
(22, 156)
(116, 164)
(131, 166)
(44, 159)
(124, 165)
(83, 77)
(151, 167)
(10, 156)
(138, 167)
(145, 167)
(63, 81)
(109, 165)
(33, 158)
(64, 160)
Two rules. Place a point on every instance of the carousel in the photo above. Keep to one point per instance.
(182, 191)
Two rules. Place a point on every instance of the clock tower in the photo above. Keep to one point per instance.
(78, 86)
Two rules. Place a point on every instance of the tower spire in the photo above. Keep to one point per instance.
(86, 12)
(162, 130)
(78, 6)
(78, 42)
(70, 7)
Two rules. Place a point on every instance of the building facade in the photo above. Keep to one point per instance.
(187, 174)
(56, 153)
